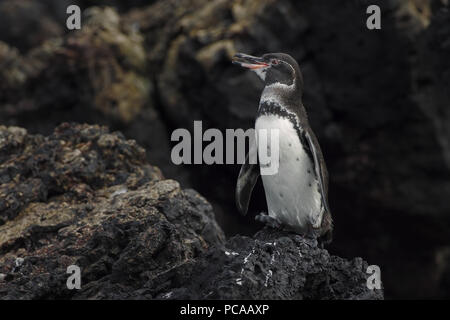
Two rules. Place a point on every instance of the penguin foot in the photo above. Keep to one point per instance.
(307, 240)
(268, 220)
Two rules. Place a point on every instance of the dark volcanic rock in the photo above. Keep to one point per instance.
(96, 75)
(98, 70)
(25, 24)
(88, 197)
(75, 160)
(274, 265)
(431, 80)
(432, 75)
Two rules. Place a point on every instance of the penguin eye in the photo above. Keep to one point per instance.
(274, 61)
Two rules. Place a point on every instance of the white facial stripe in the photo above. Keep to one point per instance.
(292, 68)
(261, 72)
(282, 85)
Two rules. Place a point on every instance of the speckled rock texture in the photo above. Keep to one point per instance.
(103, 64)
(88, 197)
(275, 265)
(98, 74)
(85, 196)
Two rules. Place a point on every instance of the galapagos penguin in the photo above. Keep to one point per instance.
(297, 195)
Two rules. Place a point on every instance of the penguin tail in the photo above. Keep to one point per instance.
(326, 234)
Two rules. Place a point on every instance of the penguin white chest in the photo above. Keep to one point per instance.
(292, 194)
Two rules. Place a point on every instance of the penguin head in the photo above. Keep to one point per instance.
(272, 68)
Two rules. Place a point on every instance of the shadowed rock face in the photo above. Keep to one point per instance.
(27, 23)
(275, 265)
(88, 197)
(97, 75)
(432, 80)
(101, 67)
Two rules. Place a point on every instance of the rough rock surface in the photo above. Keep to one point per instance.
(98, 75)
(274, 265)
(432, 74)
(39, 21)
(88, 197)
(44, 19)
(102, 67)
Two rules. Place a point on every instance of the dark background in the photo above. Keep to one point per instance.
(378, 101)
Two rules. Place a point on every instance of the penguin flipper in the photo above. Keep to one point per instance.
(321, 174)
(248, 175)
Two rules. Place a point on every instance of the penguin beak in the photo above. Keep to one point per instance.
(249, 62)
